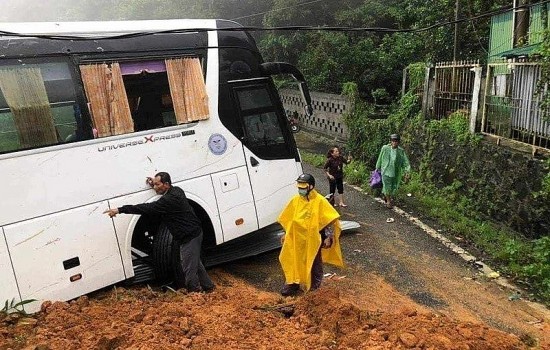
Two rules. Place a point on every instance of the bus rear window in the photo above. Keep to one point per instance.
(37, 105)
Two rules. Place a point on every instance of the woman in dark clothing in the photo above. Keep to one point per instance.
(334, 168)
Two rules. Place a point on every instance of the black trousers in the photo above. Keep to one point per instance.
(337, 183)
(196, 278)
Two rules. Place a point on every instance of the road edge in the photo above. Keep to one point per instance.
(464, 254)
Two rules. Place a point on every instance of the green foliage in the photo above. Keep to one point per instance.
(15, 307)
(544, 192)
(542, 84)
(373, 60)
(380, 95)
(335, 58)
(450, 204)
(317, 160)
(522, 259)
(530, 260)
(350, 90)
(417, 73)
(455, 127)
(357, 173)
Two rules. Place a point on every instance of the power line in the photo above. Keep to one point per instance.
(282, 28)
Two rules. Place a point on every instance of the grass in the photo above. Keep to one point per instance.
(525, 261)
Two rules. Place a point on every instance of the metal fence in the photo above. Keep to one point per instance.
(453, 87)
(511, 105)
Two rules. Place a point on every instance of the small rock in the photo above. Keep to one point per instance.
(465, 332)
(408, 339)
(185, 342)
(442, 342)
(27, 321)
(408, 311)
(45, 305)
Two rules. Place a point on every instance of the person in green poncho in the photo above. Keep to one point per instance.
(394, 165)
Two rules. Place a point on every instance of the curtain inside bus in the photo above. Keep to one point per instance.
(25, 94)
(107, 99)
(188, 89)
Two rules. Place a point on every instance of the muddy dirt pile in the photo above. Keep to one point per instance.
(239, 316)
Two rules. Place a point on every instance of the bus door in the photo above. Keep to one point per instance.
(268, 146)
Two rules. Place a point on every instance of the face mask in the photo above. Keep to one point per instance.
(302, 191)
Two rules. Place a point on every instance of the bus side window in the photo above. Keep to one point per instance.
(148, 113)
(139, 94)
(37, 105)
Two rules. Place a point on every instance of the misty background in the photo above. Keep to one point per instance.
(372, 60)
(85, 10)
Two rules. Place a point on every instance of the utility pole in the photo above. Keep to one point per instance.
(521, 22)
(455, 46)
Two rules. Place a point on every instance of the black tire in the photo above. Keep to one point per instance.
(166, 259)
(161, 255)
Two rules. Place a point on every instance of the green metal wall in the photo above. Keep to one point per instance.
(536, 25)
(502, 29)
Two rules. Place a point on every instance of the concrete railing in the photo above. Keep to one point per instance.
(328, 112)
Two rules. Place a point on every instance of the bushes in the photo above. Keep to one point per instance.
(470, 187)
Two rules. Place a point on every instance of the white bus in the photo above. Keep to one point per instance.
(89, 109)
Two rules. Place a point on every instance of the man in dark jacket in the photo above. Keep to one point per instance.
(180, 219)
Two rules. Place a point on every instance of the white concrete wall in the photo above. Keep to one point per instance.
(328, 112)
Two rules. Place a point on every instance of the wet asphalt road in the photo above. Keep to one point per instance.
(414, 263)
(360, 247)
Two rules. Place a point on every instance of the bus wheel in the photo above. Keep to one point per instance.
(161, 255)
(166, 259)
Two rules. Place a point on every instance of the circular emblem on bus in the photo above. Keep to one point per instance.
(217, 144)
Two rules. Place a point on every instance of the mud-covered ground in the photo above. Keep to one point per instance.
(400, 290)
(237, 315)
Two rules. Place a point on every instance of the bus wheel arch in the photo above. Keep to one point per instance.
(209, 235)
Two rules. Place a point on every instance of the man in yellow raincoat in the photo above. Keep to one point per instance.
(312, 232)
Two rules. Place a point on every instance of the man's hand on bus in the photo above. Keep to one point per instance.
(149, 181)
(111, 212)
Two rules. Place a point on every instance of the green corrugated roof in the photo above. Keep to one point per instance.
(523, 51)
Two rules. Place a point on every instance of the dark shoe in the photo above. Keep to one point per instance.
(315, 287)
(290, 289)
(209, 289)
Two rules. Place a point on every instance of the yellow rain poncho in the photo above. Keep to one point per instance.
(302, 219)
